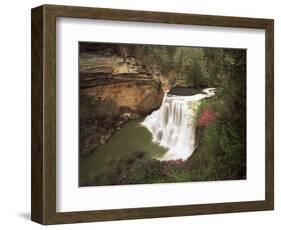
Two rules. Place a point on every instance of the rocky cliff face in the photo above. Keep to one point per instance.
(114, 88)
(124, 80)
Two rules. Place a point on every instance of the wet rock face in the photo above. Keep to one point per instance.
(113, 90)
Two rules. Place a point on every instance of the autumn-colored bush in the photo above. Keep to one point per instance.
(207, 117)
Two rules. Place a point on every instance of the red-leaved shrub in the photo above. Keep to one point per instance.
(206, 117)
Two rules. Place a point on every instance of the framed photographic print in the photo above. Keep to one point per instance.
(141, 114)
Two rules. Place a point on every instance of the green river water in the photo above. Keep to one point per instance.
(131, 138)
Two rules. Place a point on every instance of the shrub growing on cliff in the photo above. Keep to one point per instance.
(208, 116)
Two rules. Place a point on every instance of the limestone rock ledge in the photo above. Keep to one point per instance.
(125, 80)
(114, 88)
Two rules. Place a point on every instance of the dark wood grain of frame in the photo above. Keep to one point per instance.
(43, 160)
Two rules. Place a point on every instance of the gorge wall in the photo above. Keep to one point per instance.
(114, 88)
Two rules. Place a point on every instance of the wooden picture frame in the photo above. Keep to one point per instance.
(43, 208)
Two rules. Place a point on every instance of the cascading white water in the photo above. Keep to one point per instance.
(173, 125)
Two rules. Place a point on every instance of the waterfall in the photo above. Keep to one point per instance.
(173, 124)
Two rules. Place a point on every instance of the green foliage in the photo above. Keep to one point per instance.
(229, 140)
(187, 66)
(224, 141)
(196, 75)
(96, 107)
(211, 138)
(180, 175)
